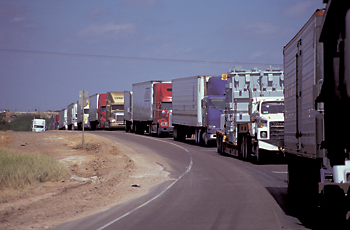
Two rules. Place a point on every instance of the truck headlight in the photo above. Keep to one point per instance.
(112, 120)
(263, 123)
(212, 127)
(263, 134)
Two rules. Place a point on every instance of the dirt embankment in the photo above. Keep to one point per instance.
(103, 173)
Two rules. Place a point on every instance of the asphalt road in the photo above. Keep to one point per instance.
(210, 191)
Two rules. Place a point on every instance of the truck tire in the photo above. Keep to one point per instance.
(175, 133)
(197, 136)
(219, 144)
(244, 148)
(159, 132)
(178, 133)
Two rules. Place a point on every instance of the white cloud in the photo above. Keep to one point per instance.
(259, 53)
(109, 30)
(18, 19)
(260, 28)
(147, 3)
(97, 13)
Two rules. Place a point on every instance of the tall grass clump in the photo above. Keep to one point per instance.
(19, 171)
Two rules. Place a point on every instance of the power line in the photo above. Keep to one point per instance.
(133, 58)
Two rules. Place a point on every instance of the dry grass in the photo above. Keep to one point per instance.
(19, 171)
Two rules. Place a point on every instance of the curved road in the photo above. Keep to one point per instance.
(210, 192)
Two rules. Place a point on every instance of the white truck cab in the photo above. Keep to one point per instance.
(38, 125)
(267, 123)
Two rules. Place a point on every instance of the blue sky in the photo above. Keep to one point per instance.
(51, 49)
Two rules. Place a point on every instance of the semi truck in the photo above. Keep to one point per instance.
(150, 108)
(128, 118)
(54, 122)
(252, 124)
(83, 116)
(38, 125)
(97, 111)
(93, 111)
(62, 124)
(317, 102)
(72, 116)
(198, 103)
(114, 110)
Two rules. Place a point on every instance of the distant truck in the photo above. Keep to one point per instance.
(198, 103)
(38, 125)
(114, 110)
(54, 122)
(149, 108)
(97, 111)
(317, 102)
(83, 117)
(128, 116)
(62, 124)
(253, 122)
(72, 116)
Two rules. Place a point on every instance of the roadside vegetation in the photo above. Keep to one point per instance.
(20, 123)
(19, 171)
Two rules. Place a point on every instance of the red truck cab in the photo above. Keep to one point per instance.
(162, 93)
(102, 103)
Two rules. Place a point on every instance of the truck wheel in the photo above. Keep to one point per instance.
(197, 137)
(175, 133)
(218, 144)
(159, 132)
(205, 139)
(244, 148)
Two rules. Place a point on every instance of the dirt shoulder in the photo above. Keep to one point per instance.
(104, 173)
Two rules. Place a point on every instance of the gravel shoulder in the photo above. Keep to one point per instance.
(104, 173)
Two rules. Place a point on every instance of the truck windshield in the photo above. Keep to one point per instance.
(86, 111)
(272, 107)
(117, 107)
(103, 108)
(166, 105)
(218, 103)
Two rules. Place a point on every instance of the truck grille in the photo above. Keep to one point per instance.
(119, 117)
(277, 133)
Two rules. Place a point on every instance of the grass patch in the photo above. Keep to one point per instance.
(21, 123)
(19, 171)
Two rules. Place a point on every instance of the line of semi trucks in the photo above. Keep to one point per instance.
(297, 113)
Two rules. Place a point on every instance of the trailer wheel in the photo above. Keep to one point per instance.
(244, 148)
(219, 145)
(175, 134)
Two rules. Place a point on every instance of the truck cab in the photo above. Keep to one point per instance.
(38, 125)
(163, 108)
(267, 123)
(115, 110)
(212, 108)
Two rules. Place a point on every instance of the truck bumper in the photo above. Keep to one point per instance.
(211, 136)
(166, 129)
(116, 125)
(266, 146)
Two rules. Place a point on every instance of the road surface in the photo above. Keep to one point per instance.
(209, 191)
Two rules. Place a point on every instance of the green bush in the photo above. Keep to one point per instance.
(18, 171)
(21, 123)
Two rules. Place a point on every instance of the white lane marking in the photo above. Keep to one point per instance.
(161, 193)
(279, 172)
